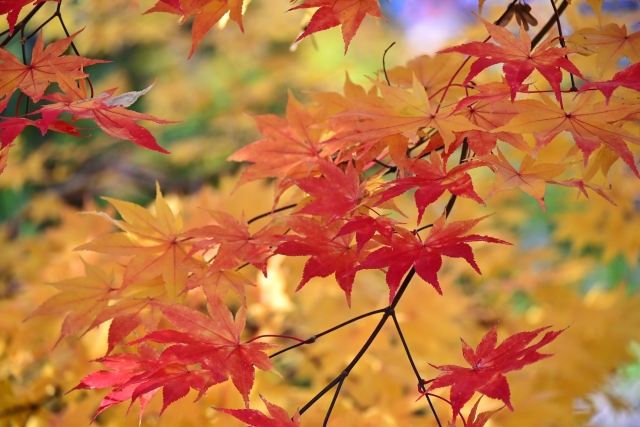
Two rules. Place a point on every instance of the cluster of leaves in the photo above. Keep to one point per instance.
(48, 65)
(338, 157)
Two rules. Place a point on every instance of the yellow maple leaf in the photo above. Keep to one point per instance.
(154, 241)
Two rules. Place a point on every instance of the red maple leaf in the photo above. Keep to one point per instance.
(519, 62)
(235, 245)
(214, 344)
(106, 110)
(336, 193)
(488, 364)
(348, 13)
(629, 78)
(123, 367)
(407, 250)
(11, 127)
(46, 66)
(255, 418)
(432, 179)
(329, 253)
(365, 227)
(12, 9)
(207, 352)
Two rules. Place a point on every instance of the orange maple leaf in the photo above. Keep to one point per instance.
(83, 298)
(46, 66)
(290, 144)
(207, 13)
(589, 123)
(532, 178)
(405, 113)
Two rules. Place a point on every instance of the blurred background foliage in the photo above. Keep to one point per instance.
(575, 265)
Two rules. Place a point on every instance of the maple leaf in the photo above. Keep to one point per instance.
(141, 376)
(488, 110)
(216, 283)
(488, 366)
(214, 343)
(289, 144)
(156, 242)
(235, 245)
(432, 179)
(329, 253)
(131, 306)
(255, 418)
(82, 298)
(207, 14)
(12, 9)
(408, 250)
(519, 62)
(479, 420)
(46, 66)
(588, 123)
(491, 93)
(365, 227)
(4, 156)
(106, 110)
(532, 178)
(433, 73)
(11, 127)
(629, 78)
(609, 42)
(336, 193)
(405, 113)
(331, 13)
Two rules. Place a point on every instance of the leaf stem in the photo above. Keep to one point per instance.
(313, 339)
(276, 336)
(266, 214)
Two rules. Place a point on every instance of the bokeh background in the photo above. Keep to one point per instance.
(575, 265)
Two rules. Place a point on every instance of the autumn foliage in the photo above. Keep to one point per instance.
(342, 167)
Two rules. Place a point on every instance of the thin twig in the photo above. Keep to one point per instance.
(333, 402)
(24, 61)
(19, 26)
(406, 348)
(384, 164)
(266, 214)
(464, 421)
(328, 331)
(384, 65)
(276, 336)
(562, 43)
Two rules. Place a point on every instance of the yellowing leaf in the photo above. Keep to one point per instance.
(154, 241)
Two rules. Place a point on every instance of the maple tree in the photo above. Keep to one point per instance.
(340, 166)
